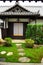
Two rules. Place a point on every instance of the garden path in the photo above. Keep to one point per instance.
(21, 53)
(18, 40)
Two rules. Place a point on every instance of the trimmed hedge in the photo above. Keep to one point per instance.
(8, 42)
(35, 32)
(29, 43)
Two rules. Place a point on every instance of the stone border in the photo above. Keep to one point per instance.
(4, 63)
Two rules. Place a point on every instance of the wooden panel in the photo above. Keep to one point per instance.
(23, 19)
(4, 33)
(10, 31)
(13, 19)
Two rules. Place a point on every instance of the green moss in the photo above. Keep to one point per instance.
(35, 54)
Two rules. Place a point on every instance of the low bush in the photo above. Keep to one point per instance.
(8, 42)
(29, 43)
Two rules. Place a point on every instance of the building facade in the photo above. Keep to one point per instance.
(15, 21)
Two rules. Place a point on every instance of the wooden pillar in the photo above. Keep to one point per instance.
(0, 33)
(4, 30)
(35, 27)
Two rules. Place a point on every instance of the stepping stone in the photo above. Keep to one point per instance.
(21, 50)
(24, 59)
(2, 59)
(19, 45)
(3, 52)
(21, 54)
(9, 53)
(42, 60)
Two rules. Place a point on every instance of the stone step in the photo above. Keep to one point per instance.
(42, 60)
(24, 59)
(19, 45)
(21, 50)
(21, 53)
(18, 41)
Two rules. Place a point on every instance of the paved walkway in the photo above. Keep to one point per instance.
(4, 63)
(18, 41)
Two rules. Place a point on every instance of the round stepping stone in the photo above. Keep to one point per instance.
(42, 60)
(3, 52)
(24, 59)
(21, 54)
(9, 53)
(21, 50)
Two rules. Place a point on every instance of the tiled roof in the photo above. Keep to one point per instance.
(18, 13)
(21, 0)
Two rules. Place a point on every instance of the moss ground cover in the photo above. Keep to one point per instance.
(12, 58)
(35, 54)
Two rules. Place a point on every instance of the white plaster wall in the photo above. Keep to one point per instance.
(0, 34)
(1, 21)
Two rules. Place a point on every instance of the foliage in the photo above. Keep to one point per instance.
(2, 42)
(35, 55)
(12, 58)
(29, 43)
(35, 32)
(8, 41)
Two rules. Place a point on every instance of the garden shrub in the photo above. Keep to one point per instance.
(29, 43)
(2, 42)
(8, 41)
(35, 32)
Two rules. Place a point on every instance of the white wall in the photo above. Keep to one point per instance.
(0, 34)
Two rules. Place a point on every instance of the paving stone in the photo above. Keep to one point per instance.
(42, 60)
(2, 59)
(18, 41)
(9, 53)
(24, 59)
(3, 52)
(21, 50)
(19, 45)
(8, 63)
(21, 54)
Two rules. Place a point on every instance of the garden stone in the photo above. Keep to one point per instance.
(2, 59)
(21, 54)
(18, 41)
(42, 60)
(19, 45)
(21, 50)
(24, 59)
(3, 52)
(9, 53)
(36, 46)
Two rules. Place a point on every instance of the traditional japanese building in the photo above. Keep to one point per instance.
(15, 21)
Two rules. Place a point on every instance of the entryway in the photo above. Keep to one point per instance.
(15, 30)
(18, 29)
